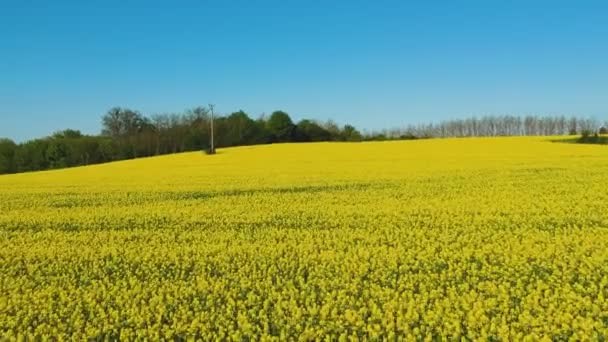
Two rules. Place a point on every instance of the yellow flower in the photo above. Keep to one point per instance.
(446, 238)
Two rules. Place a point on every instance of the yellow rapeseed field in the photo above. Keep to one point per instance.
(479, 238)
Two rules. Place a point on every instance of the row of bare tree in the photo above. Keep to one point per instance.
(490, 126)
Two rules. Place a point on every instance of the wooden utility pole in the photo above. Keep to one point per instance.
(212, 149)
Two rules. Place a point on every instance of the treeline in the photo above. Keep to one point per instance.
(493, 126)
(128, 134)
(137, 135)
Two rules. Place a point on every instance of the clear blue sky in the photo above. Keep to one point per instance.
(374, 64)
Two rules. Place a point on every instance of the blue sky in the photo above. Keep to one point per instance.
(374, 64)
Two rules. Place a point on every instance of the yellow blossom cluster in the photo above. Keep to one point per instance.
(480, 238)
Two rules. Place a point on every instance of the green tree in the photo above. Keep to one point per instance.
(308, 130)
(262, 134)
(31, 156)
(68, 133)
(280, 126)
(7, 156)
(333, 129)
(238, 129)
(57, 153)
(350, 133)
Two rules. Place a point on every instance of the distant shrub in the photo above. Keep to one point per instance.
(588, 137)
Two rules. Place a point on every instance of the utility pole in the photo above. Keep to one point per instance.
(212, 149)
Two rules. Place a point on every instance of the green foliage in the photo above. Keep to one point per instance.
(333, 129)
(280, 126)
(121, 122)
(236, 129)
(62, 149)
(586, 134)
(307, 130)
(7, 156)
(592, 138)
(127, 134)
(350, 133)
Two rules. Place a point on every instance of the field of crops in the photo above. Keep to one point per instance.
(496, 238)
